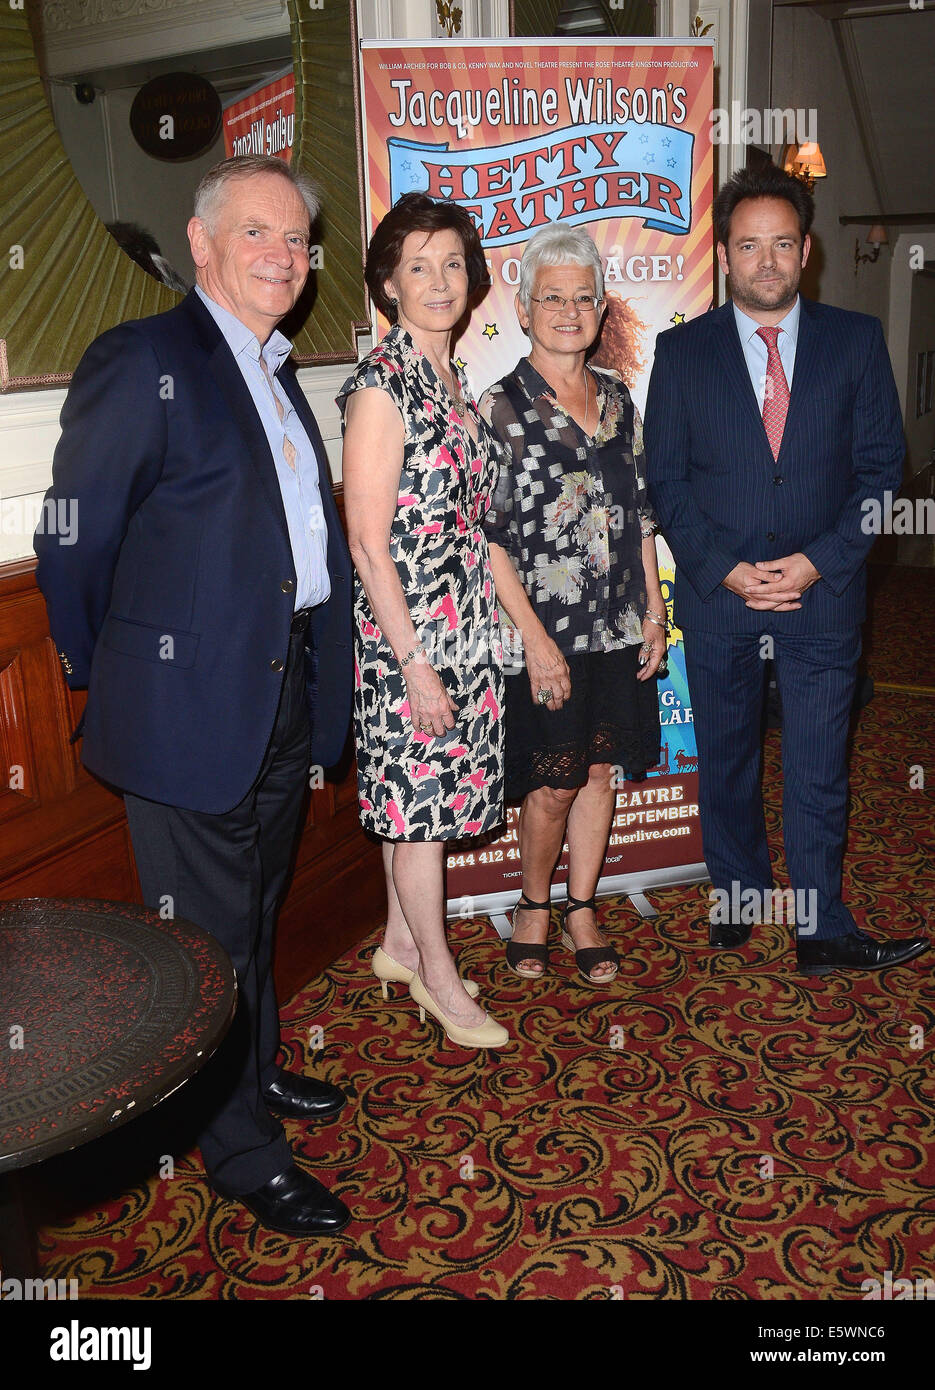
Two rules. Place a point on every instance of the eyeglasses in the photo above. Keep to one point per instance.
(553, 303)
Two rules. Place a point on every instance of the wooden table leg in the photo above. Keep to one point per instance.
(17, 1236)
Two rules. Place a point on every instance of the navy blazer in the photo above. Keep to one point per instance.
(174, 605)
(720, 497)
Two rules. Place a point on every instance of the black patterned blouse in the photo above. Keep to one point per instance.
(572, 510)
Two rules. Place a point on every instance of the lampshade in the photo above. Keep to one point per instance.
(810, 160)
(877, 235)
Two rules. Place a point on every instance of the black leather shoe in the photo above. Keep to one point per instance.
(728, 933)
(856, 951)
(303, 1098)
(295, 1203)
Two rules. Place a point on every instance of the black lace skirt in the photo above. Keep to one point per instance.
(610, 717)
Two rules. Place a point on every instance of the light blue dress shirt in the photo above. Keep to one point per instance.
(301, 492)
(754, 348)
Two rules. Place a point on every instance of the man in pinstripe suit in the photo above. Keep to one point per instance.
(768, 424)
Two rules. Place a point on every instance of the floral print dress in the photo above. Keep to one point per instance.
(572, 510)
(412, 785)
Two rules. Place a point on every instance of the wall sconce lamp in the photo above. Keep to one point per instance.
(804, 162)
(876, 238)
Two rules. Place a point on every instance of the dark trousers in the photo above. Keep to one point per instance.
(227, 874)
(816, 677)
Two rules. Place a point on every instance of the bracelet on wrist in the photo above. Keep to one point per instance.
(659, 621)
(416, 650)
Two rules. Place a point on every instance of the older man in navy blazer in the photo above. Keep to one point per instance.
(206, 607)
(769, 424)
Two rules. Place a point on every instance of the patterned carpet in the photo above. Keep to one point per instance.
(714, 1126)
(899, 637)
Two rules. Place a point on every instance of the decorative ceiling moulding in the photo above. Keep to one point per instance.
(78, 14)
(75, 282)
(90, 34)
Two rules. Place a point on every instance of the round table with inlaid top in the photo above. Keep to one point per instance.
(105, 1010)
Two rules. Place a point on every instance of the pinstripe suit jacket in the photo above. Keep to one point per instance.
(719, 495)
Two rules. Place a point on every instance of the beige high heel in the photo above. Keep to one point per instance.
(386, 968)
(488, 1034)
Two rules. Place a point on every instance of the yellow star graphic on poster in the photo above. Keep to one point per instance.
(491, 331)
(677, 318)
(461, 364)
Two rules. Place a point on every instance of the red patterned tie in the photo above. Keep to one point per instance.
(776, 393)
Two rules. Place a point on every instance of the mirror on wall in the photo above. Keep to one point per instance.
(73, 164)
(144, 108)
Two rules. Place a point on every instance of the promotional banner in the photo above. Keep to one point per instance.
(262, 121)
(613, 137)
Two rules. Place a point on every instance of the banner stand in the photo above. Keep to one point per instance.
(633, 886)
(613, 136)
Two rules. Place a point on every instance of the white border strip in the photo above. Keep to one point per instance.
(633, 886)
(620, 41)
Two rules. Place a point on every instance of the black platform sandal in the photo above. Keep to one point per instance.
(588, 956)
(517, 951)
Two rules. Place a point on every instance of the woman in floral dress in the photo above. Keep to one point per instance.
(419, 467)
(573, 553)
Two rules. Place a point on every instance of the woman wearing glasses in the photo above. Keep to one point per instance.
(573, 555)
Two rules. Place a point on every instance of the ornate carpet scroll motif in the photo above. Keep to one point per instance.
(714, 1126)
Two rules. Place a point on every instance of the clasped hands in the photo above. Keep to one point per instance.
(773, 585)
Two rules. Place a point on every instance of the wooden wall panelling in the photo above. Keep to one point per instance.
(18, 782)
(66, 805)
